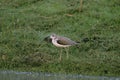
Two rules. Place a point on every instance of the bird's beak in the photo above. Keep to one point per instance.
(48, 39)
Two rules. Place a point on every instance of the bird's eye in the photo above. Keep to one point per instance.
(53, 35)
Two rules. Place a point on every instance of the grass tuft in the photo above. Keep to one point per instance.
(24, 24)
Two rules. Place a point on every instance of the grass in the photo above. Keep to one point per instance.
(24, 25)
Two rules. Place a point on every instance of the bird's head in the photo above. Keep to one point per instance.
(53, 36)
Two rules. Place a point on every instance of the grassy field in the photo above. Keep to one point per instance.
(25, 23)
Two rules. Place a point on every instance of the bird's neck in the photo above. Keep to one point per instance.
(54, 40)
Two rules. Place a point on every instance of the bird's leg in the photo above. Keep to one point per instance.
(60, 55)
(67, 49)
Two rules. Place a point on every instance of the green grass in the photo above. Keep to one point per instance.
(25, 23)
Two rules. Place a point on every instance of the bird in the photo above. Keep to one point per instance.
(61, 41)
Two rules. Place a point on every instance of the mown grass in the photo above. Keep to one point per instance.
(25, 23)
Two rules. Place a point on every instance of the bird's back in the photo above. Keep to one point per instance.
(66, 41)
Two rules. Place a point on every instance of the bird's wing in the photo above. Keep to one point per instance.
(65, 41)
(62, 42)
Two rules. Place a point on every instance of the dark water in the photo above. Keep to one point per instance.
(15, 75)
